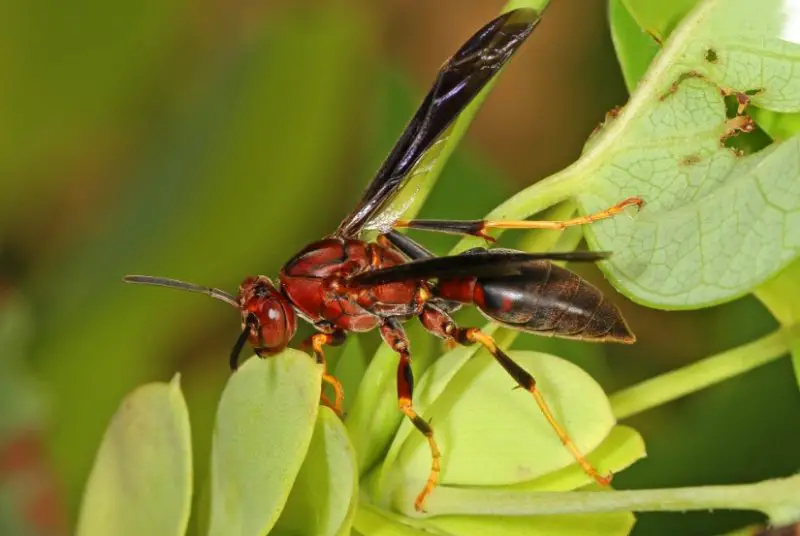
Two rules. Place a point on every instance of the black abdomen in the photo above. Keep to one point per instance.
(548, 299)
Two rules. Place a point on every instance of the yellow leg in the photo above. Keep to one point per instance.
(480, 227)
(317, 342)
(582, 220)
(394, 335)
(527, 382)
(433, 477)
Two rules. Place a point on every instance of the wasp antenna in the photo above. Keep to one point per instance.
(182, 285)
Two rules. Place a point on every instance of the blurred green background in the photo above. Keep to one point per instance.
(210, 140)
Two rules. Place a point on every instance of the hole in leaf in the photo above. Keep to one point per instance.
(735, 103)
(745, 137)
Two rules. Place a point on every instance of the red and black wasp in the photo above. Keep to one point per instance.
(343, 284)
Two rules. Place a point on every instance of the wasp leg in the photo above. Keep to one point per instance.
(479, 227)
(440, 324)
(410, 248)
(414, 251)
(316, 342)
(395, 336)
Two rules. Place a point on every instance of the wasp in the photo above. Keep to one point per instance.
(345, 284)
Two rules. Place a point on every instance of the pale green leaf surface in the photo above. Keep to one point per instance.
(487, 431)
(716, 224)
(324, 496)
(264, 426)
(141, 482)
(635, 50)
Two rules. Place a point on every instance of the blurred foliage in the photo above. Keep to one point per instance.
(209, 141)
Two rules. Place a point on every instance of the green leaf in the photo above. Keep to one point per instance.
(324, 497)
(350, 369)
(638, 27)
(635, 49)
(265, 422)
(374, 417)
(141, 482)
(730, 31)
(781, 296)
(716, 224)
(658, 18)
(623, 447)
(779, 126)
(487, 431)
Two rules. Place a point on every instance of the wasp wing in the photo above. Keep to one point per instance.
(460, 79)
(474, 263)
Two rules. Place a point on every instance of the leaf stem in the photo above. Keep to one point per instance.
(702, 374)
(542, 195)
(778, 498)
(372, 520)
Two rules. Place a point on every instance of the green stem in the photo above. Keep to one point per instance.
(546, 239)
(779, 499)
(714, 369)
(374, 521)
(542, 195)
